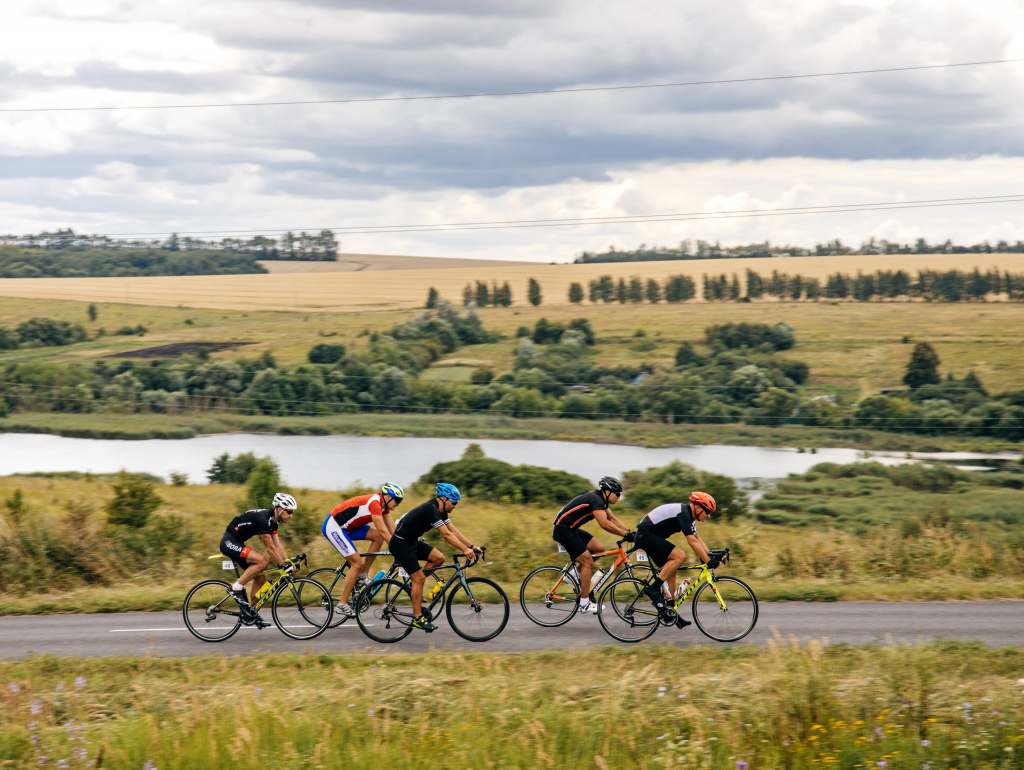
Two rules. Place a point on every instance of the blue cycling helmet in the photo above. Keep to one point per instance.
(449, 491)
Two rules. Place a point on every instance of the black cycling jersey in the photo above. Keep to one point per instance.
(259, 521)
(666, 520)
(581, 509)
(417, 522)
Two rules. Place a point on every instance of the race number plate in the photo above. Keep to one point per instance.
(641, 556)
(561, 548)
(402, 573)
(227, 564)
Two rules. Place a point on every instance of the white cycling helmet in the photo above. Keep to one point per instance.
(282, 500)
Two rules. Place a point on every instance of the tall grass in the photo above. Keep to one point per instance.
(946, 705)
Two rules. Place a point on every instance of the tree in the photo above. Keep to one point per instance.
(326, 353)
(483, 294)
(923, 368)
(92, 312)
(133, 501)
(636, 290)
(467, 295)
(575, 293)
(594, 291)
(431, 298)
(653, 291)
(264, 482)
(755, 285)
(775, 406)
(621, 293)
(534, 295)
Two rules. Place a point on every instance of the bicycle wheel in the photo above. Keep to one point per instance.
(732, 623)
(548, 598)
(625, 613)
(210, 613)
(480, 614)
(385, 614)
(302, 608)
(332, 580)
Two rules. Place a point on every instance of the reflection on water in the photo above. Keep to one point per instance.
(337, 462)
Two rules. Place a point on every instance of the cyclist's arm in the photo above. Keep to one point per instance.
(609, 523)
(390, 521)
(455, 539)
(274, 547)
(459, 533)
(698, 547)
(380, 524)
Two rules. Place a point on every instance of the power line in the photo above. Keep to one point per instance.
(498, 94)
(605, 220)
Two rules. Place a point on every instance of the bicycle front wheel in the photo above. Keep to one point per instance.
(332, 580)
(548, 597)
(625, 612)
(384, 611)
(302, 608)
(480, 613)
(731, 622)
(210, 613)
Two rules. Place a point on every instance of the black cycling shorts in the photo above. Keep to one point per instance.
(656, 547)
(574, 540)
(235, 550)
(409, 555)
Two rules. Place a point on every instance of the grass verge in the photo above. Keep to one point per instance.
(943, 705)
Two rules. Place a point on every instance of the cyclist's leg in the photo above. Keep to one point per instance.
(375, 543)
(250, 561)
(659, 551)
(576, 542)
(355, 561)
(405, 554)
(671, 569)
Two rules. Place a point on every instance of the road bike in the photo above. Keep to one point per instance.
(477, 608)
(550, 596)
(724, 608)
(301, 607)
(334, 577)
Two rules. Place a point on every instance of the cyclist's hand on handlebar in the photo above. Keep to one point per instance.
(630, 536)
(478, 550)
(470, 554)
(714, 561)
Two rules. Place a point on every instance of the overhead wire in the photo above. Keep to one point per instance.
(500, 94)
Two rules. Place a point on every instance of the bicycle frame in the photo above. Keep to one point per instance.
(274, 577)
(621, 558)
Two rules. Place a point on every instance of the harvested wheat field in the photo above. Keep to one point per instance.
(357, 263)
(402, 289)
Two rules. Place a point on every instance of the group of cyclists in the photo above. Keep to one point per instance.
(368, 518)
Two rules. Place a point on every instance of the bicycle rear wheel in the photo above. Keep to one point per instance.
(210, 613)
(480, 614)
(332, 580)
(625, 613)
(732, 623)
(302, 608)
(384, 611)
(548, 597)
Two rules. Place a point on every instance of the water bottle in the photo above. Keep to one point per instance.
(684, 585)
(434, 591)
(264, 590)
(379, 576)
(595, 582)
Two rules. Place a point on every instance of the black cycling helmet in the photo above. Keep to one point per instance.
(610, 484)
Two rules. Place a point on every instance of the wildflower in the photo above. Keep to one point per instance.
(370, 712)
(967, 706)
(37, 706)
(1003, 724)
(660, 738)
(741, 765)
(149, 765)
(259, 691)
(80, 683)
(882, 764)
(60, 687)
(878, 731)
(926, 742)
(13, 687)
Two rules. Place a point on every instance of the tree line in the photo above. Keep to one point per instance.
(689, 249)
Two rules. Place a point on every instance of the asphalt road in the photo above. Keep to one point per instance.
(999, 623)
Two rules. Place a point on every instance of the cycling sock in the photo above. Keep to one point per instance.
(584, 602)
(364, 574)
(237, 586)
(658, 583)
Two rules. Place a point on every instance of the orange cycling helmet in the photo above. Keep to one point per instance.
(704, 500)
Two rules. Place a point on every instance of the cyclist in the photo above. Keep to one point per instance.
(408, 550)
(579, 543)
(263, 522)
(364, 517)
(652, 535)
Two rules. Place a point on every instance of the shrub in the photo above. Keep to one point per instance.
(134, 500)
(43, 332)
(673, 483)
(326, 353)
(128, 331)
(263, 483)
(479, 476)
(228, 470)
(750, 335)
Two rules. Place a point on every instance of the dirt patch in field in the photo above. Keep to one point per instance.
(178, 349)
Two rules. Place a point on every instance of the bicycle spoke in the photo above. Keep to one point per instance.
(548, 598)
(479, 614)
(384, 611)
(209, 613)
(302, 609)
(625, 613)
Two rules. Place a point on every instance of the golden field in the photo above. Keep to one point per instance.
(404, 289)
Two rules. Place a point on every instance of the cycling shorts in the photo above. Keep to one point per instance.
(235, 550)
(342, 538)
(656, 547)
(409, 555)
(574, 540)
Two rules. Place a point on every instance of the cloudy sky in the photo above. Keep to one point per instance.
(856, 139)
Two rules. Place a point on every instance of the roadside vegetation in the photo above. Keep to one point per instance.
(790, 705)
(81, 543)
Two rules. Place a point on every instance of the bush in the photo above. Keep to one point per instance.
(263, 483)
(479, 476)
(673, 483)
(44, 332)
(228, 470)
(326, 353)
(134, 499)
(733, 336)
(128, 331)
